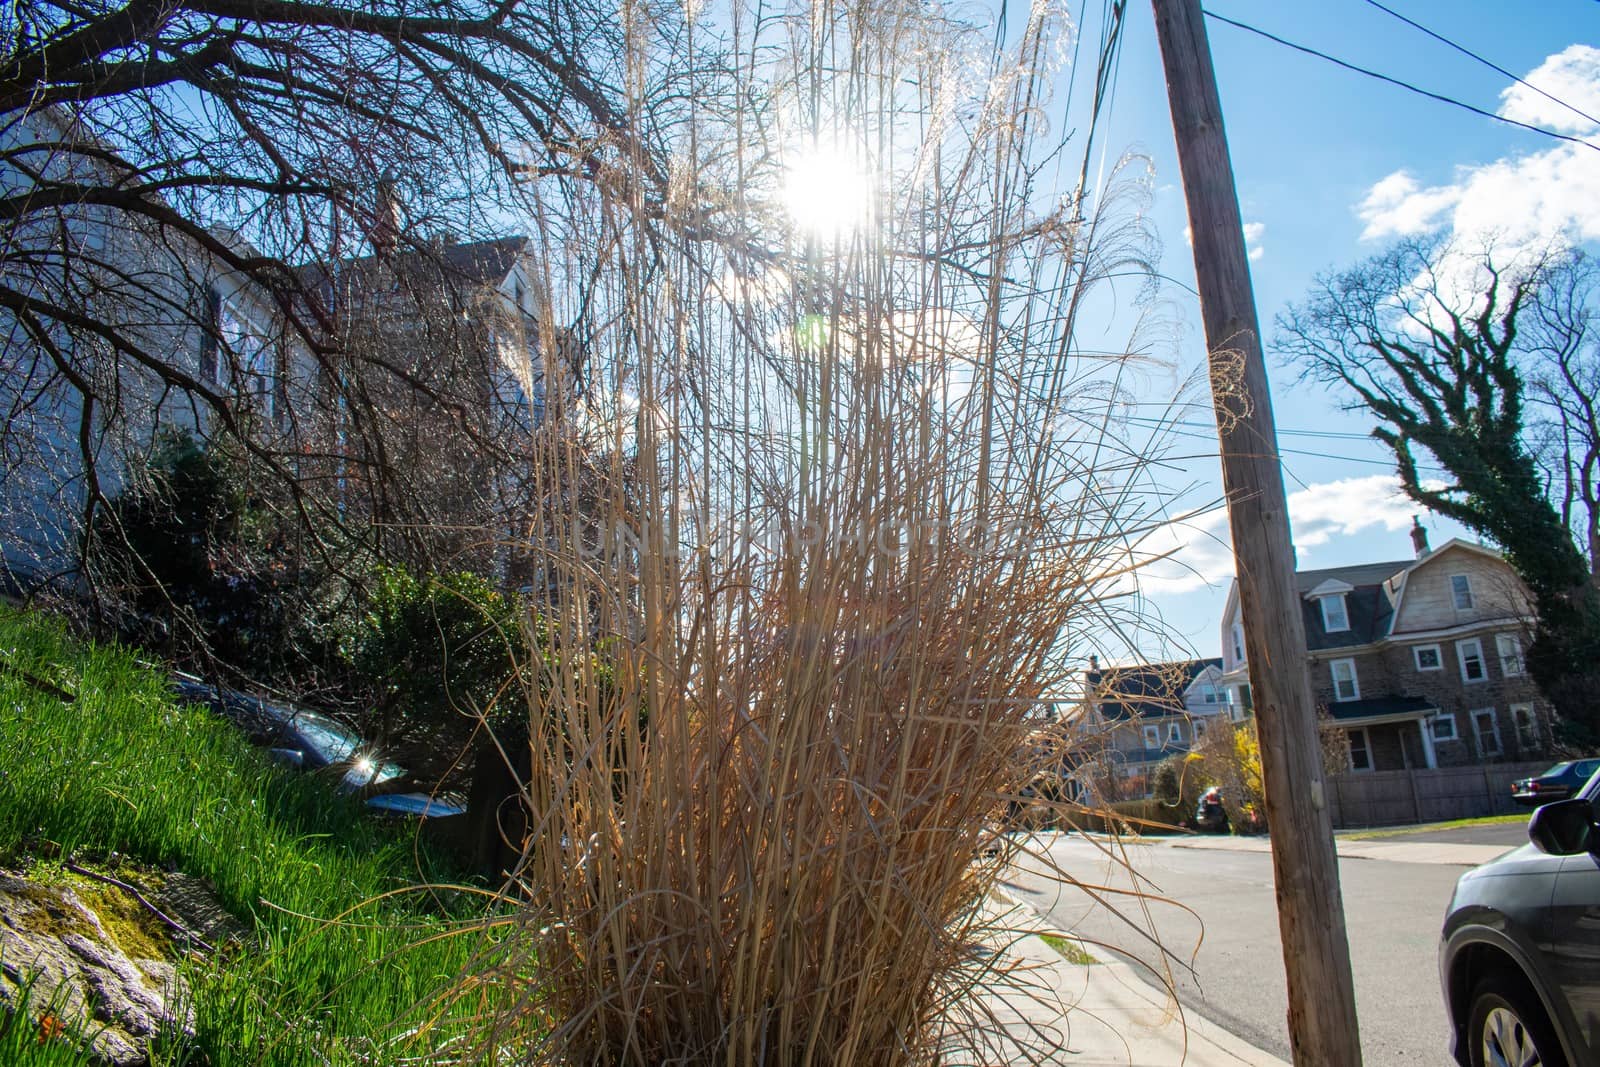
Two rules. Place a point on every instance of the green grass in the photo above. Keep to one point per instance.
(122, 767)
(1430, 827)
(1068, 948)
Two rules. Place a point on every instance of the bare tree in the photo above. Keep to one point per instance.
(181, 178)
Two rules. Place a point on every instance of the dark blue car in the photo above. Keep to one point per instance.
(310, 740)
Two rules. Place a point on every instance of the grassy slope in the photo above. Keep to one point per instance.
(123, 767)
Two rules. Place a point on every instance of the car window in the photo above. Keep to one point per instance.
(332, 742)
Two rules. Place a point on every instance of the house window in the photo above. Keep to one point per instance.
(1360, 751)
(1334, 615)
(1444, 727)
(1461, 591)
(1238, 643)
(1152, 737)
(1509, 648)
(210, 348)
(1174, 733)
(1428, 658)
(1470, 653)
(1527, 726)
(1488, 729)
(1209, 694)
(1345, 685)
(1199, 728)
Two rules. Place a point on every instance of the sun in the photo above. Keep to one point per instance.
(829, 189)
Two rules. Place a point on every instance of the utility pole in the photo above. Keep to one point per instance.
(1316, 953)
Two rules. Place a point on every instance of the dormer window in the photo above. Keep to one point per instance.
(1461, 591)
(1334, 615)
(1330, 599)
(1238, 643)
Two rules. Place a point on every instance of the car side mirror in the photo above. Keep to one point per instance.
(288, 757)
(1563, 828)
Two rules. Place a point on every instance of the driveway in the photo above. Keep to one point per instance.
(1210, 903)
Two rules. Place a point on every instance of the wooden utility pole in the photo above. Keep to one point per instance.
(1316, 954)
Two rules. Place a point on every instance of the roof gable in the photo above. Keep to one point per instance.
(1147, 690)
(1331, 587)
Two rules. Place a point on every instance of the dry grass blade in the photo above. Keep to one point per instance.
(839, 498)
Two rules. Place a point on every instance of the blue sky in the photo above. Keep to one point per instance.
(1330, 167)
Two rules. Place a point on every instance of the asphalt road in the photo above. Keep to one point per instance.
(1220, 916)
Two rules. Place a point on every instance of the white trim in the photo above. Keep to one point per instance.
(1152, 736)
(1174, 732)
(1477, 730)
(1344, 611)
(1475, 626)
(1366, 749)
(1519, 665)
(1461, 658)
(1442, 717)
(1533, 723)
(1355, 680)
(1479, 627)
(1429, 757)
(1455, 594)
(1330, 587)
(1438, 655)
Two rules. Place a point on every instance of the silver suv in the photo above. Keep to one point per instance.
(1520, 956)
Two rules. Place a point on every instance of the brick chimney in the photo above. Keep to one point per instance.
(1419, 538)
(384, 232)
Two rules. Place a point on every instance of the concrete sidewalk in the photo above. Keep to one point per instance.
(1056, 1012)
(1396, 851)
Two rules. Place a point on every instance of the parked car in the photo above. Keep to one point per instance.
(1558, 783)
(309, 740)
(1519, 958)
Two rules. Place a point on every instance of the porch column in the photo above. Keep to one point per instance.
(1426, 726)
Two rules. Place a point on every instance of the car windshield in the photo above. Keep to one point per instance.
(331, 741)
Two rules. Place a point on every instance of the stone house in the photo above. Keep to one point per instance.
(75, 412)
(1134, 717)
(1419, 661)
(206, 335)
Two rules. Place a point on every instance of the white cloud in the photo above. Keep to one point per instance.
(1253, 232)
(1571, 75)
(1326, 510)
(1522, 201)
(1195, 552)
(1198, 550)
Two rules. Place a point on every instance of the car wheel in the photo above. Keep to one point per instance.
(1508, 1028)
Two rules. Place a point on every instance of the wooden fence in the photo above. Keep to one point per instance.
(1389, 798)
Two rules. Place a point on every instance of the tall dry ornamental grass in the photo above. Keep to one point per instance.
(828, 503)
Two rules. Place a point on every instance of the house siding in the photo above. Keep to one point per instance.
(1428, 602)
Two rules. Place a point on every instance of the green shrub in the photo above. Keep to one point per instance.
(435, 654)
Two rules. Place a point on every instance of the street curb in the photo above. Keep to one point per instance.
(1037, 925)
(1124, 1005)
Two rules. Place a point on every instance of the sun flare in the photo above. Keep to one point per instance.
(828, 190)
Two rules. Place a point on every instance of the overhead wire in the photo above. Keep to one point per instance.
(1391, 80)
(1497, 68)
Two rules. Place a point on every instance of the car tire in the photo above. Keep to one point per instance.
(1508, 1028)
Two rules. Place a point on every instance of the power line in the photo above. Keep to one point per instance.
(1401, 84)
(1497, 68)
